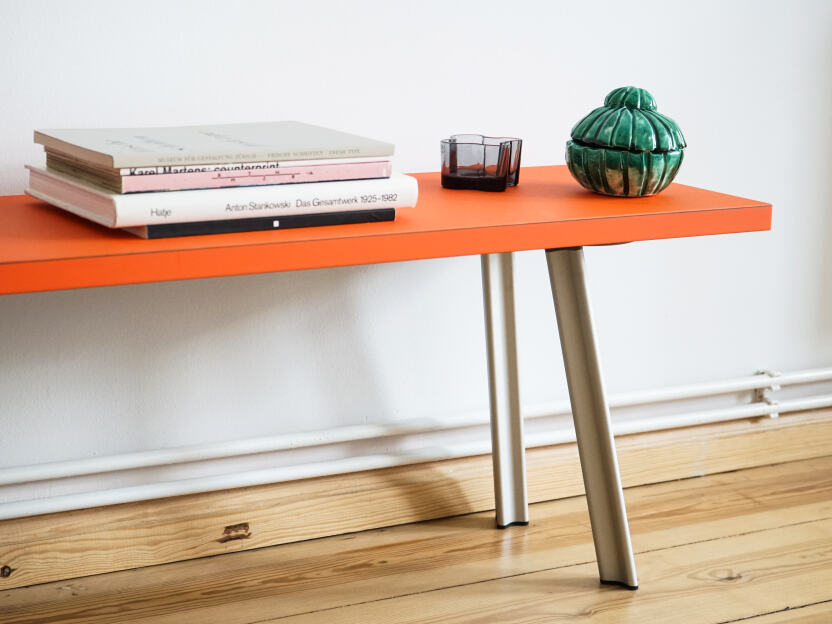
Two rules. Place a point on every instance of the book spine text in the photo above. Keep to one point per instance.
(221, 178)
(399, 191)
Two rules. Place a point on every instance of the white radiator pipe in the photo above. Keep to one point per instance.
(236, 448)
(369, 462)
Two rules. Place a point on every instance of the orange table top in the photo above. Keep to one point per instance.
(44, 248)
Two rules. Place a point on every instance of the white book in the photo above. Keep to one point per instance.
(135, 209)
(192, 145)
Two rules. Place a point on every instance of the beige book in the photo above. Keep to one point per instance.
(229, 143)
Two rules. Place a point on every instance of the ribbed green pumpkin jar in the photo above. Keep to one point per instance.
(625, 148)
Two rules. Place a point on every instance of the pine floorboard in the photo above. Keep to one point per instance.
(818, 613)
(753, 545)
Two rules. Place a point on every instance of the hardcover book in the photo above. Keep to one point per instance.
(229, 143)
(137, 209)
(199, 228)
(185, 177)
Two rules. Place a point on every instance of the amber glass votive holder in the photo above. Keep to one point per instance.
(474, 161)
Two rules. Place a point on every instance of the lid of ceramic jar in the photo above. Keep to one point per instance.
(628, 120)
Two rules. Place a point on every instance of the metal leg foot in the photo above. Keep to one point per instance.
(507, 450)
(591, 414)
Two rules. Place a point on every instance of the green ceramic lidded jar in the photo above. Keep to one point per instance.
(625, 148)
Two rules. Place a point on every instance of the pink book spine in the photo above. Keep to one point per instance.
(284, 174)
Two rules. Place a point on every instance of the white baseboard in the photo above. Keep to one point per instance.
(93, 482)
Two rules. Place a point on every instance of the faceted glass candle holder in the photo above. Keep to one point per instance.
(473, 161)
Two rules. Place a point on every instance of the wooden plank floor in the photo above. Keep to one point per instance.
(753, 545)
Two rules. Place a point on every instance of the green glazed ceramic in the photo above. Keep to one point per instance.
(625, 148)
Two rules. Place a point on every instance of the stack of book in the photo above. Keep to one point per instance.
(181, 181)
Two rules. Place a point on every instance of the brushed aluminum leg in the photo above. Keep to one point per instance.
(507, 450)
(591, 414)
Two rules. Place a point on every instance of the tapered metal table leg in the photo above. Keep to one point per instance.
(591, 414)
(507, 450)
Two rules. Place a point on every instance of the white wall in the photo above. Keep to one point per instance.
(110, 370)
